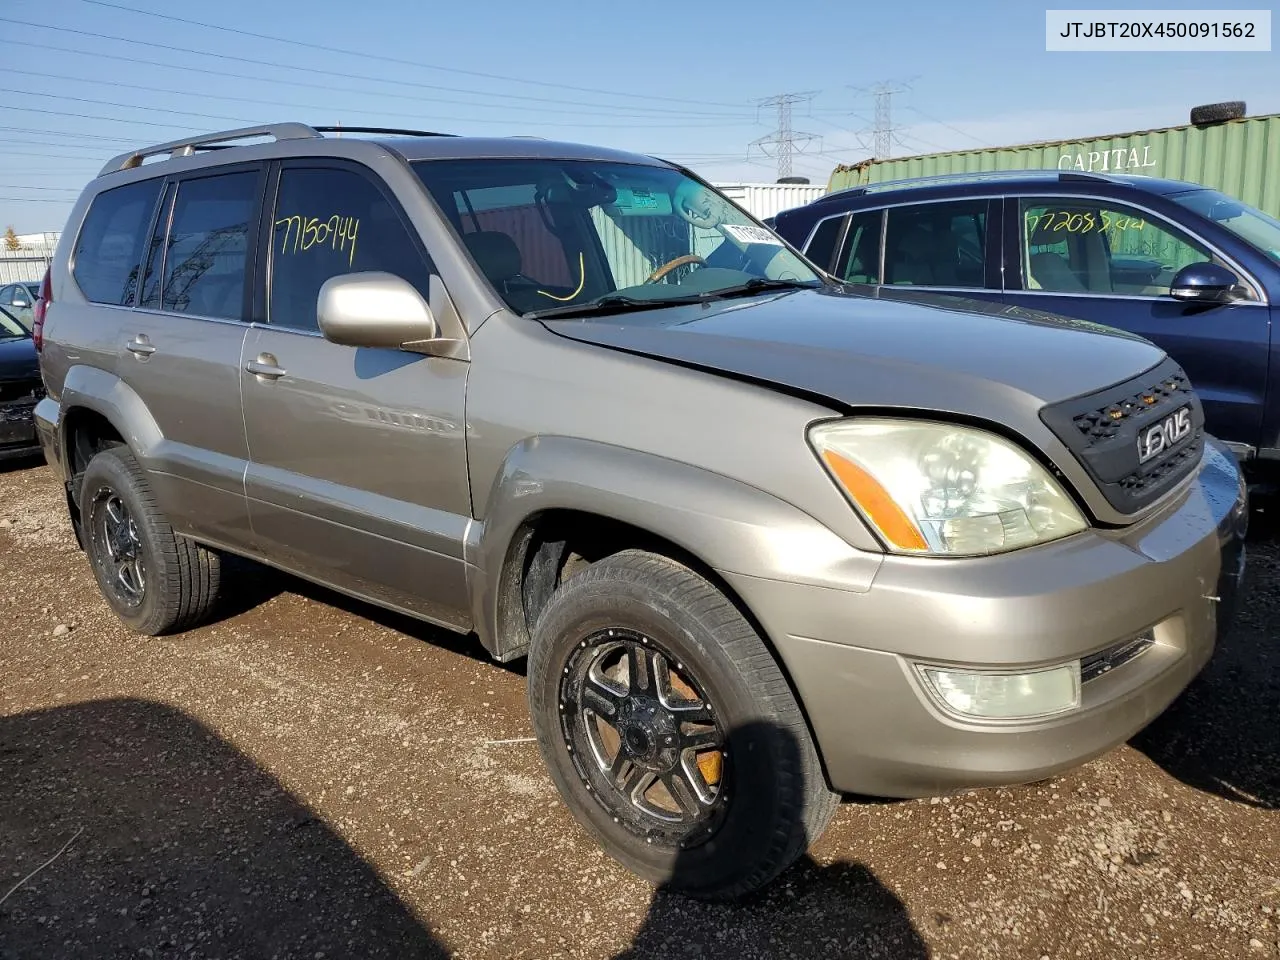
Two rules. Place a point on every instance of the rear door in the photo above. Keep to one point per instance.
(1110, 262)
(179, 349)
(357, 473)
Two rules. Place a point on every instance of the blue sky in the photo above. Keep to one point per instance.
(673, 78)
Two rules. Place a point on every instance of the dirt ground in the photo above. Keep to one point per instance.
(308, 777)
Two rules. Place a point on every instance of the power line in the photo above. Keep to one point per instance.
(23, 186)
(89, 116)
(424, 66)
(258, 101)
(34, 153)
(943, 123)
(785, 140)
(337, 73)
(62, 133)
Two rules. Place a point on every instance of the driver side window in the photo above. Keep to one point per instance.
(1082, 246)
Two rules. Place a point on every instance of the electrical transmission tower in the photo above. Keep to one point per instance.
(882, 132)
(785, 140)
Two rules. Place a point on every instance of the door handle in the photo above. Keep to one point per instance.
(265, 367)
(140, 346)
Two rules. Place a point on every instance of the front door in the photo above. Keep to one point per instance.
(357, 474)
(1109, 263)
(180, 351)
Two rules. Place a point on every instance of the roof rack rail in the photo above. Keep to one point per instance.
(972, 177)
(1067, 176)
(188, 145)
(390, 130)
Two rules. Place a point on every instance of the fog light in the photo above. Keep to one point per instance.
(1007, 696)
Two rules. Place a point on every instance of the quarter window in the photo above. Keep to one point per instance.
(1080, 246)
(822, 246)
(937, 245)
(208, 247)
(860, 256)
(110, 243)
(330, 222)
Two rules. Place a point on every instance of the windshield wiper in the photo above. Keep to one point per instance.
(621, 303)
(614, 303)
(761, 285)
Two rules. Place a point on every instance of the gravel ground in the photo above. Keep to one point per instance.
(308, 777)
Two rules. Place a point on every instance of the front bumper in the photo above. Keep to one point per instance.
(17, 430)
(850, 654)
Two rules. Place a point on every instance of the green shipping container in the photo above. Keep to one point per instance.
(1235, 156)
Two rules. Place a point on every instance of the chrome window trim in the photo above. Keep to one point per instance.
(154, 312)
(1255, 286)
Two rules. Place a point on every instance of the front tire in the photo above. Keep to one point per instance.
(670, 731)
(155, 581)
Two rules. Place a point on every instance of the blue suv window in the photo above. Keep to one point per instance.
(1088, 246)
(860, 254)
(937, 245)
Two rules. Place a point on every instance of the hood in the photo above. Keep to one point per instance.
(911, 350)
(18, 359)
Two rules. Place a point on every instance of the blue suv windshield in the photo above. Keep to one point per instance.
(1252, 226)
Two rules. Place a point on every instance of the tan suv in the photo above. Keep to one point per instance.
(762, 540)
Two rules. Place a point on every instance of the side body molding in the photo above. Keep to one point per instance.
(728, 525)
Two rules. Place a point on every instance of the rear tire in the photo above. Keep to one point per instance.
(156, 581)
(684, 643)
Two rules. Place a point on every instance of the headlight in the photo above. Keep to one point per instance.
(942, 489)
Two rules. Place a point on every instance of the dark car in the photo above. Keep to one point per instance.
(1186, 267)
(20, 389)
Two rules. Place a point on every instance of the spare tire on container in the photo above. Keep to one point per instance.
(1217, 112)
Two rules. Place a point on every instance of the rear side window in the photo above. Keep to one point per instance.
(329, 222)
(207, 251)
(110, 242)
(937, 245)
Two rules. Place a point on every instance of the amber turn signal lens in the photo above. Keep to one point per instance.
(876, 502)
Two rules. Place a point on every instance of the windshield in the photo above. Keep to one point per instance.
(10, 327)
(1252, 226)
(564, 235)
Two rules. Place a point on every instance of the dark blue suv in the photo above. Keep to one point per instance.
(1187, 267)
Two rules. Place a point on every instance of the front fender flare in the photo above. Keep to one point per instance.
(728, 525)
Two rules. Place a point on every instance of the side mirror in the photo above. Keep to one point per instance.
(1204, 283)
(20, 301)
(374, 309)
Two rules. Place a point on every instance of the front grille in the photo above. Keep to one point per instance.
(1102, 430)
(1104, 661)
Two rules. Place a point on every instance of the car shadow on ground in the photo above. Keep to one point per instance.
(839, 909)
(15, 464)
(130, 829)
(1223, 734)
(247, 584)
(179, 845)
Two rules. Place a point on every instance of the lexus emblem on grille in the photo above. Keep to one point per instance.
(1167, 433)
